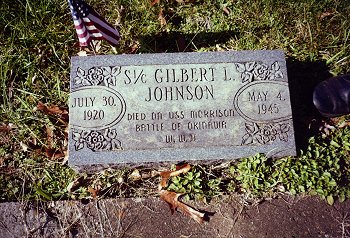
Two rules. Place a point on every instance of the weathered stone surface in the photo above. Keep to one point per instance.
(179, 106)
(151, 217)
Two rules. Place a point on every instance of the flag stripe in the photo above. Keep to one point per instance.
(109, 35)
(89, 25)
(110, 39)
(104, 25)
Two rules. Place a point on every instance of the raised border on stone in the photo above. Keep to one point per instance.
(250, 69)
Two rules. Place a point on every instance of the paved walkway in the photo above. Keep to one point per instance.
(151, 217)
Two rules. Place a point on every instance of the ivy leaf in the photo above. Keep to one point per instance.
(106, 145)
(330, 200)
(335, 144)
(285, 127)
(259, 139)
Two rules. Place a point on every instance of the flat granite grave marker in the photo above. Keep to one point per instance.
(179, 106)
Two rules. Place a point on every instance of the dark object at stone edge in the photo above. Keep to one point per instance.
(332, 96)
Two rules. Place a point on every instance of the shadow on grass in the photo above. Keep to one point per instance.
(179, 42)
(303, 78)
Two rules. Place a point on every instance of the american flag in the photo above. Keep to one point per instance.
(90, 25)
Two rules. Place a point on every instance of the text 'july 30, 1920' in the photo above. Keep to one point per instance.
(180, 106)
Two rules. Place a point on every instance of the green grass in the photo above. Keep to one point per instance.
(37, 39)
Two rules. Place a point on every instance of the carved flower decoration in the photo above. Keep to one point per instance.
(253, 71)
(104, 140)
(259, 133)
(284, 128)
(251, 129)
(81, 78)
(110, 74)
(268, 133)
(246, 71)
(111, 142)
(275, 72)
(260, 71)
(95, 75)
(80, 139)
(94, 140)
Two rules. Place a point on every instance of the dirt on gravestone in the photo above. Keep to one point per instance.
(151, 217)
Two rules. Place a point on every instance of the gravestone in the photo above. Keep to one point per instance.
(179, 106)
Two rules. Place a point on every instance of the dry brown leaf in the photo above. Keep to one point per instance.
(134, 48)
(49, 132)
(184, 168)
(9, 170)
(226, 10)
(4, 128)
(172, 199)
(344, 124)
(54, 154)
(121, 214)
(149, 174)
(66, 132)
(135, 175)
(50, 151)
(65, 159)
(24, 146)
(161, 18)
(7, 127)
(78, 182)
(93, 192)
(326, 14)
(82, 53)
(10, 88)
(52, 109)
(154, 2)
